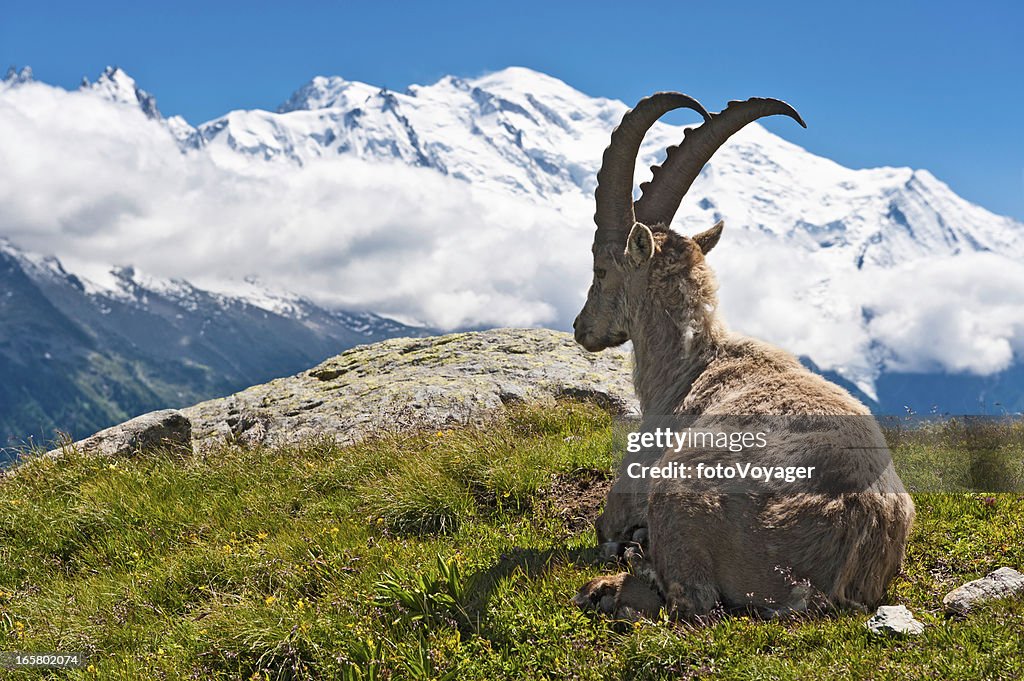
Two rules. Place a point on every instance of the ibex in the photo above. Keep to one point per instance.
(763, 552)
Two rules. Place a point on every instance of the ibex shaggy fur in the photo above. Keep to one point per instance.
(766, 551)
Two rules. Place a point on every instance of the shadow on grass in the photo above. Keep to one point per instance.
(530, 563)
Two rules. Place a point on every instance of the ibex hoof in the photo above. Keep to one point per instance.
(623, 596)
(599, 594)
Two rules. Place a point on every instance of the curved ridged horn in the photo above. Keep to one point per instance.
(614, 194)
(660, 198)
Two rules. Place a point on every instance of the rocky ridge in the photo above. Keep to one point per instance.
(77, 355)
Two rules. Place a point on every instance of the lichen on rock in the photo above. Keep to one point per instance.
(416, 383)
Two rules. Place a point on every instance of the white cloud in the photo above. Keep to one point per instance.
(961, 314)
(97, 184)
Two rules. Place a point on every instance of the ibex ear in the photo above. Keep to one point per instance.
(706, 240)
(639, 245)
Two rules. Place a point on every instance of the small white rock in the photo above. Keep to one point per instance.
(1002, 583)
(894, 619)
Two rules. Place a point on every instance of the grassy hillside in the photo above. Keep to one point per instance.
(448, 554)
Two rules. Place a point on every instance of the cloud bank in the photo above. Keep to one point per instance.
(99, 184)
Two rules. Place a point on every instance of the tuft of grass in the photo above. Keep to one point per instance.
(431, 600)
(444, 478)
(437, 556)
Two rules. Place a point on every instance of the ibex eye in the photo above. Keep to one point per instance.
(599, 273)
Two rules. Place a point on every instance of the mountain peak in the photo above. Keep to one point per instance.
(15, 77)
(117, 86)
(524, 80)
(325, 92)
(520, 73)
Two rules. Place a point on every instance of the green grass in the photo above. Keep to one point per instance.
(435, 555)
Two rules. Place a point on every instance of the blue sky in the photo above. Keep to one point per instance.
(933, 85)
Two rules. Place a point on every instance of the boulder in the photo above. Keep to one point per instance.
(409, 384)
(1002, 583)
(168, 428)
(894, 620)
(398, 385)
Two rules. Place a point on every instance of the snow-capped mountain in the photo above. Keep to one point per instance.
(14, 77)
(532, 135)
(78, 355)
(468, 202)
(117, 86)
